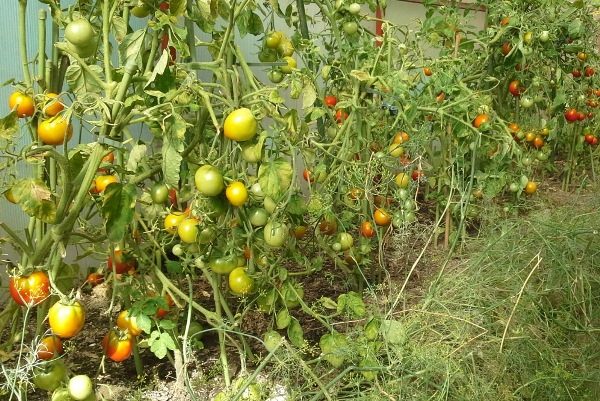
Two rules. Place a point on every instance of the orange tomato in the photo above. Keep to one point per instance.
(382, 217)
(117, 345)
(50, 347)
(103, 181)
(366, 229)
(22, 103)
(480, 120)
(129, 323)
(530, 188)
(53, 105)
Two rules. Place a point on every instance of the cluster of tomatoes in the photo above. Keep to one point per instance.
(572, 115)
(534, 138)
(277, 46)
(53, 126)
(591, 139)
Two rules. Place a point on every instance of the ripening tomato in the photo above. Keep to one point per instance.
(160, 313)
(400, 137)
(172, 221)
(427, 71)
(382, 217)
(49, 347)
(514, 87)
(481, 120)
(505, 21)
(580, 116)
(103, 181)
(328, 226)
(53, 105)
(402, 180)
(94, 279)
(571, 115)
(530, 188)
(340, 116)
(290, 65)
(117, 345)
(240, 125)
(55, 130)
(236, 193)
(123, 262)
(530, 136)
(582, 56)
(330, 101)
(506, 48)
(30, 290)
(273, 39)
(188, 230)
(66, 319)
(22, 103)
(307, 175)
(440, 97)
(576, 73)
(239, 281)
(538, 142)
(366, 229)
(416, 175)
(589, 71)
(275, 233)
(127, 322)
(209, 180)
(299, 231)
(285, 48)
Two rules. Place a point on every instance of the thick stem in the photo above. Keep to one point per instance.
(23, 41)
(42, 48)
(106, 40)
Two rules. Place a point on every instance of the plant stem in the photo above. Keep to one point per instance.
(23, 41)
(106, 40)
(42, 48)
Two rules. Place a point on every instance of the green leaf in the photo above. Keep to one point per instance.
(136, 155)
(283, 319)
(177, 7)
(255, 25)
(9, 126)
(80, 81)
(167, 324)
(275, 177)
(144, 322)
(328, 303)
(132, 47)
(295, 333)
(393, 331)
(174, 267)
(309, 95)
(119, 27)
(351, 304)
(117, 209)
(171, 159)
(35, 199)
(334, 347)
(159, 68)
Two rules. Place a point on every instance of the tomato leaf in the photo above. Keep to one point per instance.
(159, 68)
(36, 199)
(117, 208)
(328, 303)
(136, 155)
(283, 319)
(295, 333)
(167, 324)
(119, 27)
(177, 7)
(334, 347)
(393, 331)
(144, 322)
(160, 343)
(275, 177)
(80, 80)
(309, 94)
(171, 159)
(131, 47)
(351, 304)
(9, 126)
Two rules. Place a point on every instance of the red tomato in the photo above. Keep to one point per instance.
(589, 138)
(366, 229)
(416, 175)
(30, 290)
(571, 115)
(117, 345)
(589, 71)
(307, 175)
(50, 347)
(594, 141)
(330, 101)
(514, 87)
(506, 48)
(340, 116)
(576, 73)
(123, 262)
(94, 279)
(580, 116)
(160, 313)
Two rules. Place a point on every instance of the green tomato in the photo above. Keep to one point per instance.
(346, 241)
(526, 102)
(272, 340)
(177, 250)
(252, 153)
(267, 56)
(528, 38)
(50, 376)
(61, 394)
(223, 265)
(336, 246)
(350, 27)
(81, 387)
(80, 33)
(206, 235)
(269, 204)
(275, 234)
(209, 180)
(256, 190)
(140, 10)
(240, 282)
(258, 217)
(513, 187)
(354, 8)
(159, 193)
(273, 39)
(275, 76)
(544, 36)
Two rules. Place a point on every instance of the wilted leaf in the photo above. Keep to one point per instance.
(35, 199)
(171, 159)
(309, 95)
(159, 68)
(9, 126)
(283, 319)
(275, 177)
(334, 347)
(119, 27)
(352, 304)
(131, 47)
(137, 154)
(393, 331)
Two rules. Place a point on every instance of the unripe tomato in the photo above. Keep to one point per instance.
(285, 48)
(528, 38)
(258, 217)
(273, 39)
(54, 131)
(209, 180)
(159, 193)
(30, 290)
(236, 193)
(53, 105)
(402, 180)
(80, 33)
(49, 347)
(350, 27)
(346, 241)
(81, 387)
(290, 65)
(103, 181)
(544, 36)
(117, 345)
(396, 150)
(140, 10)
(49, 376)
(354, 8)
(240, 125)
(223, 265)
(66, 320)
(275, 234)
(129, 323)
(188, 230)
(530, 188)
(275, 76)
(239, 281)
(526, 102)
(366, 229)
(382, 217)
(22, 103)
(172, 221)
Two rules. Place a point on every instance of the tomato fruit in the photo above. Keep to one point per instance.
(94, 279)
(267, 56)
(291, 65)
(140, 10)
(382, 217)
(188, 230)
(346, 241)
(427, 71)
(514, 87)
(538, 142)
(273, 39)
(402, 180)
(30, 290)
(350, 27)
(236, 193)
(526, 102)
(53, 105)
(506, 48)
(340, 116)
(580, 116)
(159, 193)
(582, 56)
(576, 73)
(528, 38)
(21, 103)
(240, 125)
(275, 76)
(172, 221)
(571, 115)
(589, 72)
(117, 345)
(275, 234)
(285, 48)
(54, 131)
(224, 264)
(530, 188)
(239, 281)
(258, 217)
(367, 230)
(396, 150)
(66, 320)
(129, 323)
(161, 313)
(123, 262)
(209, 180)
(354, 8)
(505, 21)
(328, 226)
(81, 387)
(80, 33)
(49, 347)
(49, 376)
(481, 120)
(103, 181)
(400, 137)
(330, 101)
(544, 36)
